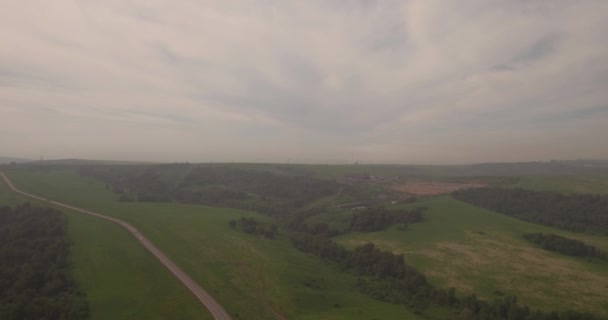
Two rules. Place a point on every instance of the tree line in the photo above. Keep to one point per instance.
(575, 212)
(379, 218)
(252, 226)
(387, 277)
(370, 219)
(567, 246)
(244, 188)
(35, 278)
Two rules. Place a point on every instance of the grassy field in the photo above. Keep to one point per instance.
(476, 250)
(121, 279)
(564, 184)
(253, 278)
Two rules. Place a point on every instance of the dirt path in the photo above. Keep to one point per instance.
(216, 310)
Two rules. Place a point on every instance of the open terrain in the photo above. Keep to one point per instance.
(215, 309)
(456, 245)
(121, 279)
(254, 278)
(593, 184)
(482, 252)
(434, 187)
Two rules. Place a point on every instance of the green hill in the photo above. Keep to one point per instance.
(457, 245)
(482, 252)
(254, 278)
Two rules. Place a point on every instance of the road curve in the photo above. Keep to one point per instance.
(216, 310)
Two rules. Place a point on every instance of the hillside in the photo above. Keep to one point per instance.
(479, 251)
(453, 244)
(253, 277)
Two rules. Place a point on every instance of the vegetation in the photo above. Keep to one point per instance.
(571, 247)
(225, 186)
(481, 252)
(111, 268)
(251, 226)
(35, 275)
(379, 218)
(575, 212)
(385, 276)
(252, 276)
(190, 233)
(567, 184)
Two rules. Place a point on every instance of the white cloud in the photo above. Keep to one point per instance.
(397, 81)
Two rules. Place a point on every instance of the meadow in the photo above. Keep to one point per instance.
(459, 245)
(482, 252)
(252, 277)
(597, 184)
(121, 279)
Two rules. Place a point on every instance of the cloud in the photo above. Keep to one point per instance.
(398, 81)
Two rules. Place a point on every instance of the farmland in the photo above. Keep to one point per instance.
(435, 187)
(476, 250)
(458, 245)
(254, 278)
(597, 184)
(116, 273)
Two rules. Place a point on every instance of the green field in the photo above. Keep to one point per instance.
(121, 279)
(476, 250)
(459, 245)
(253, 278)
(564, 184)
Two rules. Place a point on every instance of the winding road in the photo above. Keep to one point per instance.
(216, 310)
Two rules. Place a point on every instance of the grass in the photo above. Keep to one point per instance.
(121, 279)
(564, 184)
(476, 250)
(253, 278)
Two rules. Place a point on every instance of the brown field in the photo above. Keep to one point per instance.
(434, 188)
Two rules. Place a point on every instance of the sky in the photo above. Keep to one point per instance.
(319, 81)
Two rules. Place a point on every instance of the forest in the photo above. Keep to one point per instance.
(575, 212)
(379, 218)
(35, 278)
(567, 246)
(244, 188)
(381, 274)
(252, 226)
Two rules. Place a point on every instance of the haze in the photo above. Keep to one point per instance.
(304, 81)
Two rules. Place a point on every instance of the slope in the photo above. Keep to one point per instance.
(479, 251)
(253, 278)
(115, 271)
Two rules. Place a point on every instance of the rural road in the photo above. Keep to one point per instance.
(216, 310)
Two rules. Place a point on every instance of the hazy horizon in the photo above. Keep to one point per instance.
(398, 82)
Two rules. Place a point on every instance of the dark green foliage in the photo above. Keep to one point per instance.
(212, 195)
(366, 220)
(366, 260)
(259, 190)
(252, 226)
(385, 276)
(379, 218)
(576, 212)
(565, 245)
(294, 191)
(133, 183)
(35, 282)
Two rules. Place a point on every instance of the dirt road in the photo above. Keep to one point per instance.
(216, 310)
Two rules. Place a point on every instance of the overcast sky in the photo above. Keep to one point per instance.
(417, 81)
